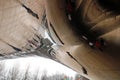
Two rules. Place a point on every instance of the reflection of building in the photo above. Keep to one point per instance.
(47, 42)
(45, 49)
(33, 43)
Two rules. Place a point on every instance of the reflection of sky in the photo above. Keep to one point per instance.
(54, 46)
(38, 63)
(47, 36)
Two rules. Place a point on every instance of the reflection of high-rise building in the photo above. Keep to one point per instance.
(33, 43)
(47, 42)
(45, 48)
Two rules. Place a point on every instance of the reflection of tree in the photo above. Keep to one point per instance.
(14, 73)
(44, 75)
(2, 73)
(36, 74)
(26, 74)
(56, 77)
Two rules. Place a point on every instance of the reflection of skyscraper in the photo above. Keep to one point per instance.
(46, 41)
(45, 49)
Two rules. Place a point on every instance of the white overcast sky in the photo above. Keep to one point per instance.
(40, 63)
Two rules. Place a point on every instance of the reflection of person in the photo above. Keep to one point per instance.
(69, 9)
(99, 44)
(69, 17)
(102, 41)
(91, 44)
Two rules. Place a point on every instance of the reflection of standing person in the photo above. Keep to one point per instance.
(69, 9)
(98, 45)
(102, 41)
(69, 17)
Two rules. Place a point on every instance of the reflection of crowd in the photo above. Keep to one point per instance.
(70, 6)
(70, 9)
(98, 43)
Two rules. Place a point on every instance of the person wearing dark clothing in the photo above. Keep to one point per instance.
(70, 6)
(99, 44)
(102, 41)
(69, 11)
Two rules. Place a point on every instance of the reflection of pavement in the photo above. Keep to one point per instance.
(17, 25)
(99, 65)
